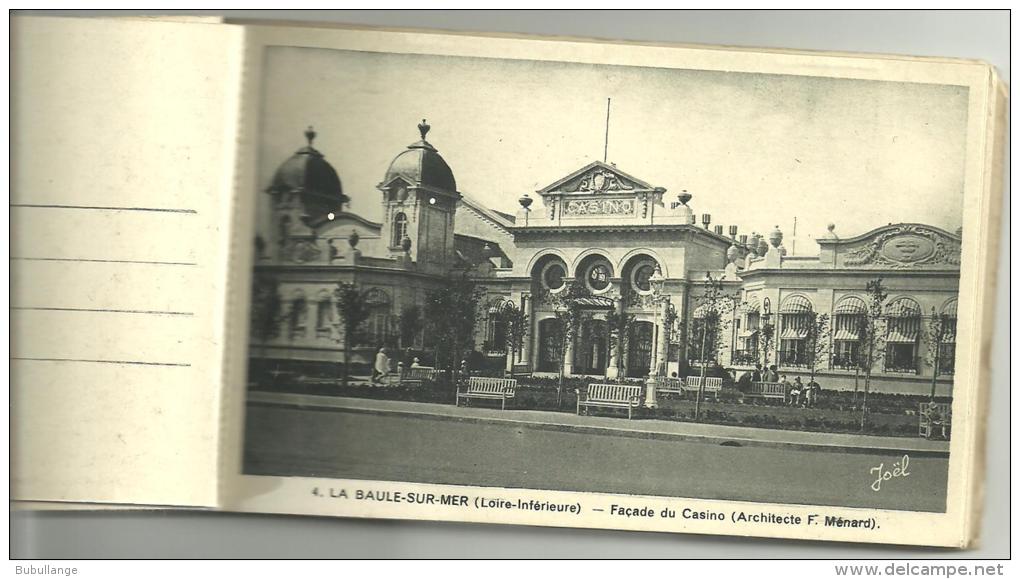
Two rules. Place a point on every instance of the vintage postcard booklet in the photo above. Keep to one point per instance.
(419, 275)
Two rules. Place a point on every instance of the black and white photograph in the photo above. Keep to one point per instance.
(612, 279)
(424, 289)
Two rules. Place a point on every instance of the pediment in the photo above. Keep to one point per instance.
(596, 178)
(902, 246)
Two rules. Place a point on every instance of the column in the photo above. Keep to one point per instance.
(568, 358)
(532, 329)
(533, 339)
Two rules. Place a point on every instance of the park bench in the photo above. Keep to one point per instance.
(934, 417)
(712, 385)
(668, 385)
(773, 390)
(415, 375)
(501, 389)
(610, 396)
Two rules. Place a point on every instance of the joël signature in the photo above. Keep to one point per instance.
(881, 473)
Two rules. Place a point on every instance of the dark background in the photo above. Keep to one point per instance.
(970, 34)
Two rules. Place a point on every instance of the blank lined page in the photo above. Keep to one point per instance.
(122, 145)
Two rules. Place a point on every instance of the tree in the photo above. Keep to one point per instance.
(710, 328)
(871, 337)
(816, 346)
(266, 308)
(938, 326)
(409, 324)
(451, 317)
(352, 310)
(618, 325)
(516, 321)
(570, 316)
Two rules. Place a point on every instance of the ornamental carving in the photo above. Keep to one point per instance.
(598, 207)
(906, 246)
(302, 251)
(601, 180)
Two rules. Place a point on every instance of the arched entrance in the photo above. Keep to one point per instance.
(590, 349)
(639, 349)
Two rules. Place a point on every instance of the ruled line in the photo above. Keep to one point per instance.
(121, 362)
(104, 208)
(103, 310)
(137, 261)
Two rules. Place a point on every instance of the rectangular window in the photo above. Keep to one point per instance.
(844, 354)
(901, 357)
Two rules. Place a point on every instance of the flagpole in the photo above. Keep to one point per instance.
(605, 150)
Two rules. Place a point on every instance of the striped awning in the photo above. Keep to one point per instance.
(793, 334)
(950, 308)
(851, 306)
(845, 335)
(750, 307)
(949, 334)
(747, 333)
(900, 336)
(796, 305)
(903, 308)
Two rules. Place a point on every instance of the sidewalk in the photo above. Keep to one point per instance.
(613, 426)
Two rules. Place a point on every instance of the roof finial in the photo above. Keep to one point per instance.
(310, 135)
(423, 127)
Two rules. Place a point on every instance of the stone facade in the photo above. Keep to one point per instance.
(633, 250)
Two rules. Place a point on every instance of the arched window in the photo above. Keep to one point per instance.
(381, 321)
(399, 229)
(496, 327)
(796, 316)
(947, 347)
(747, 336)
(903, 327)
(847, 321)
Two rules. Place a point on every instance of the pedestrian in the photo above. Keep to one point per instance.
(813, 390)
(801, 393)
(772, 375)
(756, 375)
(416, 363)
(381, 367)
(791, 394)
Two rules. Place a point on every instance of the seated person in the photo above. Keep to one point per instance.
(744, 383)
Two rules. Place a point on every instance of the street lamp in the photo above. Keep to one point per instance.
(655, 282)
(766, 317)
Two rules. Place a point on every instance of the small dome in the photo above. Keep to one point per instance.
(422, 166)
(308, 174)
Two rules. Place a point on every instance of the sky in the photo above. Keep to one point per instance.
(754, 150)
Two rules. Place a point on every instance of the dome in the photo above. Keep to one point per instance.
(308, 174)
(422, 166)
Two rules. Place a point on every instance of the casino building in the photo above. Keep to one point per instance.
(636, 249)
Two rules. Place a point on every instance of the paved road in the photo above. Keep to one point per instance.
(328, 443)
